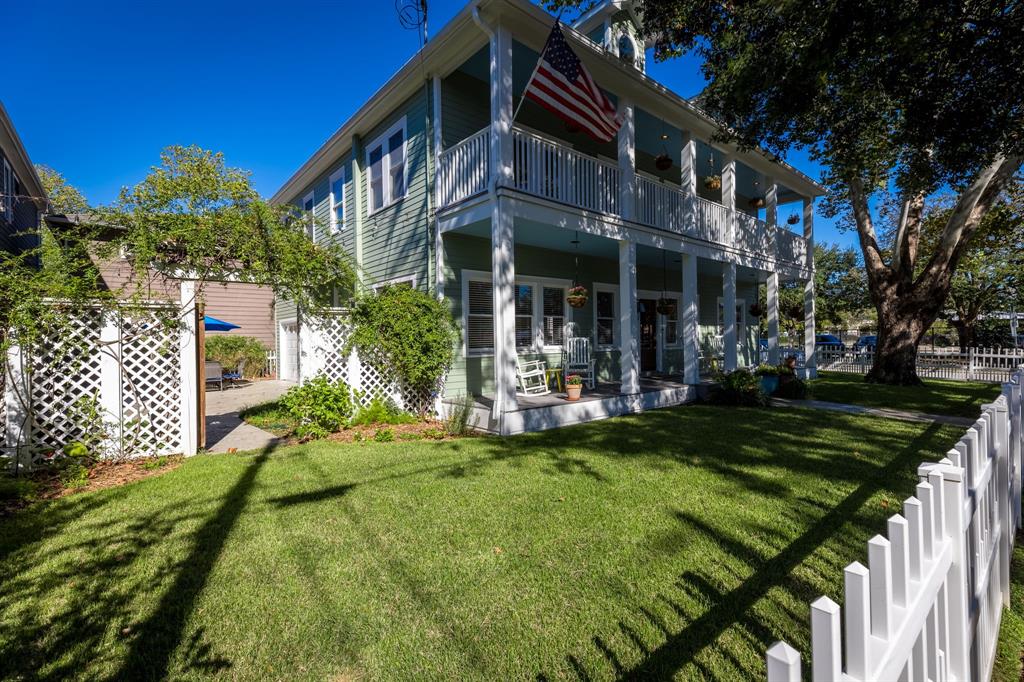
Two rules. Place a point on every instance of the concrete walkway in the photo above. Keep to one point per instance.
(903, 415)
(225, 430)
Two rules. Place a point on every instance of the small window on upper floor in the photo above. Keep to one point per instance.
(308, 205)
(337, 200)
(386, 159)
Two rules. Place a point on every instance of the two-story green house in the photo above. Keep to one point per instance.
(448, 180)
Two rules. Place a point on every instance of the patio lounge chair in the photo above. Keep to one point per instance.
(531, 377)
(236, 376)
(577, 359)
(214, 375)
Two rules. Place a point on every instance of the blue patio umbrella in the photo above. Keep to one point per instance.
(212, 324)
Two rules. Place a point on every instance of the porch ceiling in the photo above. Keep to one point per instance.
(541, 235)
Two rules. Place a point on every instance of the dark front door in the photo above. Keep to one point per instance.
(648, 334)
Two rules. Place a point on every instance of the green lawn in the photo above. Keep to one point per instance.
(954, 398)
(679, 542)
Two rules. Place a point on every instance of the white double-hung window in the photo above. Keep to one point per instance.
(337, 199)
(386, 164)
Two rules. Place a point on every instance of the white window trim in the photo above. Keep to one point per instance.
(411, 279)
(311, 197)
(538, 283)
(613, 288)
(741, 319)
(333, 202)
(381, 141)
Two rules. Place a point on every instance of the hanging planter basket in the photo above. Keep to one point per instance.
(666, 306)
(757, 202)
(713, 183)
(573, 127)
(578, 297)
(663, 162)
(793, 219)
(756, 310)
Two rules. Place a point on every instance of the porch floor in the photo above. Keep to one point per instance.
(648, 384)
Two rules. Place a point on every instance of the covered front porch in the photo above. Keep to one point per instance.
(645, 354)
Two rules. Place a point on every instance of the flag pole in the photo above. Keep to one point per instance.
(536, 66)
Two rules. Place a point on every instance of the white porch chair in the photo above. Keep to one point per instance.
(577, 359)
(531, 377)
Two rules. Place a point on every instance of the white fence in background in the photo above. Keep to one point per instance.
(322, 351)
(993, 365)
(270, 366)
(125, 378)
(929, 603)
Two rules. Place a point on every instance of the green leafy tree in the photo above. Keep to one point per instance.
(62, 196)
(914, 96)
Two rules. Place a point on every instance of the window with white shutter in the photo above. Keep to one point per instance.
(479, 316)
(554, 316)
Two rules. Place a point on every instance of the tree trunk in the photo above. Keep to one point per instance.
(900, 329)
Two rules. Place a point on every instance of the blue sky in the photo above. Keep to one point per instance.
(101, 88)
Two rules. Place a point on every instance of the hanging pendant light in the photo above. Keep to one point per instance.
(663, 161)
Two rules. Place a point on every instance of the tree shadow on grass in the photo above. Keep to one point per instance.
(734, 608)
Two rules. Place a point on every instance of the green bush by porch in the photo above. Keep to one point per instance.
(682, 541)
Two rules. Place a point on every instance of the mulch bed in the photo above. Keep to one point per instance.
(101, 475)
(415, 431)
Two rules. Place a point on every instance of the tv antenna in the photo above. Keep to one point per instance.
(412, 14)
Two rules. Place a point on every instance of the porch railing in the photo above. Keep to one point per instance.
(552, 170)
(462, 171)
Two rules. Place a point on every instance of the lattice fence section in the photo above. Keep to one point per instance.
(65, 375)
(150, 387)
(323, 342)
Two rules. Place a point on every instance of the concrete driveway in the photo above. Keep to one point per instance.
(224, 429)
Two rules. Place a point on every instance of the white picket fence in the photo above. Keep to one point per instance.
(322, 351)
(993, 365)
(928, 604)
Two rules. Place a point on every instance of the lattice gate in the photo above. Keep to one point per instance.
(322, 350)
(114, 377)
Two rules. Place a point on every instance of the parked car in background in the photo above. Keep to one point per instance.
(829, 342)
(866, 343)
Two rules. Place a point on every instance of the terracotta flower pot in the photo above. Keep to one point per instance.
(574, 391)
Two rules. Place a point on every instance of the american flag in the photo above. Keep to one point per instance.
(563, 86)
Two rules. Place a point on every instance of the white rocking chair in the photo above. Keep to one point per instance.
(531, 377)
(577, 359)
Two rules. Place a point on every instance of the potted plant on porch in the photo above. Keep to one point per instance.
(574, 386)
(769, 376)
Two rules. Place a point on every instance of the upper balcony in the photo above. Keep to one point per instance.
(554, 170)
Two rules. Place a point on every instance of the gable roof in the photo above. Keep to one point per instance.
(14, 152)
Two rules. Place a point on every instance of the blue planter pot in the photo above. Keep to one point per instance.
(769, 384)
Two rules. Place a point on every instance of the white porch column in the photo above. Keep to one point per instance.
(438, 149)
(627, 162)
(688, 169)
(810, 353)
(729, 316)
(503, 271)
(629, 332)
(690, 318)
(188, 348)
(729, 195)
(773, 317)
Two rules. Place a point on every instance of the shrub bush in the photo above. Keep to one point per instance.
(381, 412)
(457, 421)
(319, 407)
(407, 331)
(739, 387)
(794, 389)
(766, 370)
(384, 436)
(230, 350)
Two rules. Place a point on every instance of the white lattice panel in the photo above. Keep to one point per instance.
(150, 388)
(65, 370)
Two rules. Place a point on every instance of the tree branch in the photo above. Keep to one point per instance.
(873, 261)
(907, 236)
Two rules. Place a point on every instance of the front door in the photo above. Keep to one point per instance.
(648, 316)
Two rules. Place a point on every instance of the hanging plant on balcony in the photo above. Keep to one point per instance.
(757, 202)
(793, 219)
(666, 306)
(578, 296)
(756, 310)
(663, 162)
(713, 183)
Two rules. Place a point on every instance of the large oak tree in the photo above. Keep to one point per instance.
(916, 97)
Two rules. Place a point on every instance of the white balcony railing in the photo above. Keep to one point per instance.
(462, 171)
(551, 170)
(557, 172)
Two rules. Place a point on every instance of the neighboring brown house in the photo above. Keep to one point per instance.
(250, 306)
